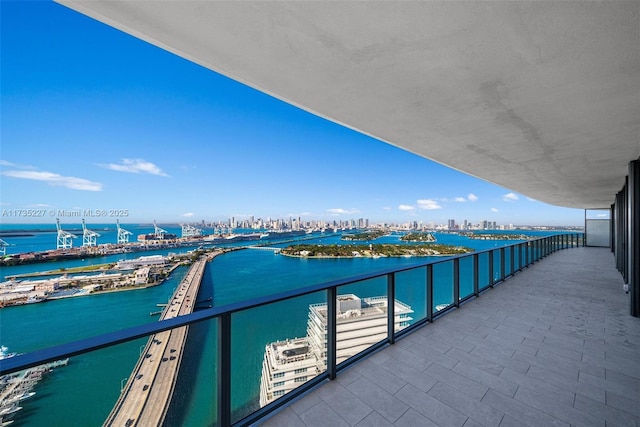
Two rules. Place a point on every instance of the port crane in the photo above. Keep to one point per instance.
(65, 239)
(89, 238)
(123, 235)
(190, 231)
(159, 232)
(3, 247)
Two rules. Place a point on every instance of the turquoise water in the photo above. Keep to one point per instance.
(83, 392)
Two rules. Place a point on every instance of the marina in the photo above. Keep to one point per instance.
(16, 388)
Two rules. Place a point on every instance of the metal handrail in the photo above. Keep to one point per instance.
(534, 250)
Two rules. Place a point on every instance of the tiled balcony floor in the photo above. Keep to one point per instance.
(552, 346)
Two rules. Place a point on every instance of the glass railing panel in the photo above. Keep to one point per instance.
(80, 390)
(411, 289)
(518, 256)
(442, 285)
(496, 265)
(168, 377)
(483, 270)
(507, 261)
(362, 316)
(534, 251)
(194, 401)
(274, 349)
(466, 276)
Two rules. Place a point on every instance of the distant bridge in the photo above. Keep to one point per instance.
(265, 248)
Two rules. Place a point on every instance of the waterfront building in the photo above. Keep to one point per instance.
(361, 323)
(143, 261)
(141, 275)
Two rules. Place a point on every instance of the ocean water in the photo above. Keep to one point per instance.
(83, 392)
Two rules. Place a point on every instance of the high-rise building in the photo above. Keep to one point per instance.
(294, 361)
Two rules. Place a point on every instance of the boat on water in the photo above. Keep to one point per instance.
(17, 387)
(279, 234)
(9, 410)
(32, 299)
(19, 397)
(4, 353)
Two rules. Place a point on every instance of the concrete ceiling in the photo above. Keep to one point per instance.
(542, 98)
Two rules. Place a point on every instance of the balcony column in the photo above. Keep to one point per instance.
(633, 236)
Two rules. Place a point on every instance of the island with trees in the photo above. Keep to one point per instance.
(418, 237)
(364, 236)
(497, 236)
(372, 251)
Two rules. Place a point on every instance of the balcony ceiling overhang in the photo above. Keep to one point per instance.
(542, 98)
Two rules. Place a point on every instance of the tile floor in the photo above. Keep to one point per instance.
(552, 346)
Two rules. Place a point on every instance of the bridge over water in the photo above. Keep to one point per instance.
(145, 399)
(265, 248)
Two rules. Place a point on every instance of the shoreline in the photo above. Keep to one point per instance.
(83, 292)
(365, 256)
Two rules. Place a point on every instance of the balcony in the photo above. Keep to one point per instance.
(553, 345)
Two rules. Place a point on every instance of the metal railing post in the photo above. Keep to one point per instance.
(332, 339)
(521, 248)
(391, 307)
(430, 292)
(224, 370)
(491, 269)
(502, 263)
(512, 250)
(456, 282)
(476, 272)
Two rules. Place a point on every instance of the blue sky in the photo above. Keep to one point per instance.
(95, 119)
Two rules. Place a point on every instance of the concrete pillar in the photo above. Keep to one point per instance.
(633, 236)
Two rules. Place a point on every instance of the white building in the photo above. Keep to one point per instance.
(141, 276)
(360, 324)
(143, 261)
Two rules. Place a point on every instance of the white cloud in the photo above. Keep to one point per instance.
(406, 207)
(460, 199)
(188, 214)
(494, 210)
(386, 208)
(472, 197)
(136, 166)
(340, 211)
(428, 204)
(531, 200)
(55, 179)
(510, 197)
(15, 165)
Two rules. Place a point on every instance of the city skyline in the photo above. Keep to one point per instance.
(94, 119)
